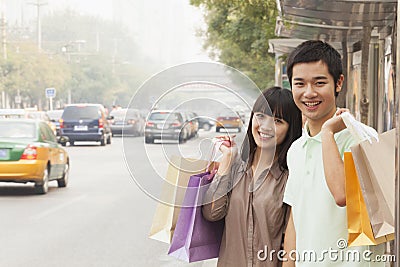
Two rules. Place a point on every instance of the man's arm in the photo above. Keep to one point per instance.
(290, 243)
(333, 163)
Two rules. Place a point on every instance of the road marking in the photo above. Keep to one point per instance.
(57, 208)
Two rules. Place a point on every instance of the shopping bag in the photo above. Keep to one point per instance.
(196, 238)
(358, 222)
(173, 191)
(374, 158)
(375, 166)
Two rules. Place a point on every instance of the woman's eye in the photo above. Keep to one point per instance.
(278, 120)
(259, 115)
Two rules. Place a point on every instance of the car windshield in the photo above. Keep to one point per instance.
(55, 115)
(118, 114)
(10, 129)
(163, 116)
(80, 112)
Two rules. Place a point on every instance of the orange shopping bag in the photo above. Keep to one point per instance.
(358, 222)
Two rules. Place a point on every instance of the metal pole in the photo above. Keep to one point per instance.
(38, 5)
(3, 30)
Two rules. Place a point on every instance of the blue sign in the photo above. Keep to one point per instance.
(50, 92)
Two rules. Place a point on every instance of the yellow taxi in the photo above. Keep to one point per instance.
(29, 152)
(228, 122)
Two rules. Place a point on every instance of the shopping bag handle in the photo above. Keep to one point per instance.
(358, 130)
(216, 144)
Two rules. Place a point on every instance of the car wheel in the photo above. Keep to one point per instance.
(109, 140)
(148, 140)
(181, 139)
(103, 140)
(217, 129)
(64, 144)
(64, 180)
(206, 127)
(71, 143)
(43, 187)
(239, 130)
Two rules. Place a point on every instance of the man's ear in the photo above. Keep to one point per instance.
(339, 84)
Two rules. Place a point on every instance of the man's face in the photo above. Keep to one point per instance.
(314, 90)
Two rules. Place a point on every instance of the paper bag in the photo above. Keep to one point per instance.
(375, 167)
(173, 191)
(195, 238)
(358, 223)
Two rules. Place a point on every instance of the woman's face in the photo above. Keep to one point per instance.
(268, 131)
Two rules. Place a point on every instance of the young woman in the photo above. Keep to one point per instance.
(247, 190)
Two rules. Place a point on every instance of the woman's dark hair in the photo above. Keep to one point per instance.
(277, 102)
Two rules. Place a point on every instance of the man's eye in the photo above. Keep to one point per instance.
(298, 84)
(320, 83)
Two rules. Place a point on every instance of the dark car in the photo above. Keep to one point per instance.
(127, 121)
(205, 123)
(166, 125)
(85, 122)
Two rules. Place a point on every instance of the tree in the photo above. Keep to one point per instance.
(238, 33)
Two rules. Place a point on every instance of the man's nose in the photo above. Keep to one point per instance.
(309, 92)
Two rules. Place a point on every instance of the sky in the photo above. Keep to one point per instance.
(164, 30)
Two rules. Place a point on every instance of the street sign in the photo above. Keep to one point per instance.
(50, 92)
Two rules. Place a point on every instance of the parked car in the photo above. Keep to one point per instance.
(194, 123)
(41, 115)
(127, 121)
(166, 124)
(29, 152)
(85, 122)
(205, 123)
(229, 122)
(55, 116)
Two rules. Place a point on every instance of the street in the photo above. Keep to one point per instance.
(101, 219)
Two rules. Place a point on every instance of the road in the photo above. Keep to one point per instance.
(101, 219)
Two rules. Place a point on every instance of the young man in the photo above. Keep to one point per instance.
(317, 229)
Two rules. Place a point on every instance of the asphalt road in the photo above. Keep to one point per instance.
(101, 219)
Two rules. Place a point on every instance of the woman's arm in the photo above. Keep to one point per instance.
(289, 244)
(216, 200)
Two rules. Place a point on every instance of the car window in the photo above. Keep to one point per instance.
(47, 133)
(162, 116)
(81, 112)
(11, 129)
(55, 115)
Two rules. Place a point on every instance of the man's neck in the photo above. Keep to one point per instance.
(314, 126)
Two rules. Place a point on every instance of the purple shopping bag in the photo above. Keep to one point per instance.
(195, 238)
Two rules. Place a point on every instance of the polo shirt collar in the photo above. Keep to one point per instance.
(306, 136)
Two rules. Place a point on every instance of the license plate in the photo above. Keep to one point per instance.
(162, 126)
(228, 125)
(80, 128)
(3, 153)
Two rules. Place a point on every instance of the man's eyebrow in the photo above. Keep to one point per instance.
(320, 78)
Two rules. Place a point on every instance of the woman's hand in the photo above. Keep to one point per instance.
(229, 150)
